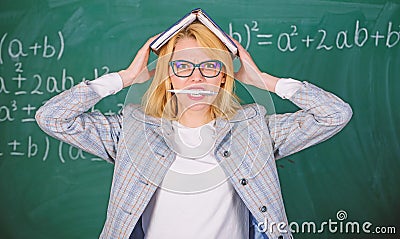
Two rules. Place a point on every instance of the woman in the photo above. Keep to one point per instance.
(162, 148)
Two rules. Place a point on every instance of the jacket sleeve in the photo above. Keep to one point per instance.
(63, 117)
(321, 115)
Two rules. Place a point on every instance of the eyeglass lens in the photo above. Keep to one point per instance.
(183, 68)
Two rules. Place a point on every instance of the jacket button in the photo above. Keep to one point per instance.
(226, 153)
(263, 209)
(243, 181)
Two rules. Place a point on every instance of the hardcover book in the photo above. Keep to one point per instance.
(201, 16)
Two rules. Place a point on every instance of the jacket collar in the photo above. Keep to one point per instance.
(222, 126)
(245, 113)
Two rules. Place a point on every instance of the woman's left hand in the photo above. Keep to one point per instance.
(250, 74)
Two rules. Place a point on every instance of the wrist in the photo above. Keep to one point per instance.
(126, 79)
(269, 81)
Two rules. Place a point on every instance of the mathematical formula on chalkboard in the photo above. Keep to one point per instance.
(26, 148)
(16, 49)
(19, 110)
(49, 84)
(289, 41)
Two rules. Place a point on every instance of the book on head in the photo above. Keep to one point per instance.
(201, 16)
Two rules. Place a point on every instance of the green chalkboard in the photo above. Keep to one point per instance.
(352, 48)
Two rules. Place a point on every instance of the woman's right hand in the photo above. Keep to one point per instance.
(137, 72)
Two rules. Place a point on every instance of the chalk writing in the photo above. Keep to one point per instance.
(31, 147)
(7, 110)
(15, 49)
(22, 85)
(45, 83)
(293, 38)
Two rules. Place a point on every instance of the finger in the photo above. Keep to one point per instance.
(152, 72)
(240, 47)
(151, 39)
(243, 53)
(146, 56)
(146, 48)
(234, 40)
(155, 36)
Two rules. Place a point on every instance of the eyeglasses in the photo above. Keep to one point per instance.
(209, 69)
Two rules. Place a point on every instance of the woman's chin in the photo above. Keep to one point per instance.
(199, 107)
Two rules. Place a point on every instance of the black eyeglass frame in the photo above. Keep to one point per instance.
(171, 63)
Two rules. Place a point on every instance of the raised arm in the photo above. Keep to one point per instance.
(321, 114)
(65, 118)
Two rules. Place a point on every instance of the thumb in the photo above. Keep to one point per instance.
(152, 72)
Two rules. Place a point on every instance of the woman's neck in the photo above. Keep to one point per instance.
(195, 119)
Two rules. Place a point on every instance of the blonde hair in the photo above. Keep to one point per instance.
(158, 102)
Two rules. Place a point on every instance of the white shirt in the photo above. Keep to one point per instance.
(195, 198)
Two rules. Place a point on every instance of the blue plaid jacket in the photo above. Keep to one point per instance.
(246, 149)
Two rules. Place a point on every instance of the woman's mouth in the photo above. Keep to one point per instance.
(196, 95)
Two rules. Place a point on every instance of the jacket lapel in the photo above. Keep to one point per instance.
(232, 137)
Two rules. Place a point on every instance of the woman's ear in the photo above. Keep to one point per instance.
(223, 79)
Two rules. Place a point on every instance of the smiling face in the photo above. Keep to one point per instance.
(189, 50)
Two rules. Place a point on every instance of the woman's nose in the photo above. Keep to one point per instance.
(197, 76)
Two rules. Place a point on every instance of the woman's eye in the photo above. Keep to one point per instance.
(210, 65)
(182, 66)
